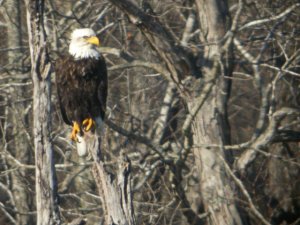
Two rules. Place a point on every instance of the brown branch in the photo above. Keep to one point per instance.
(133, 62)
(142, 139)
(7, 214)
(176, 170)
(175, 57)
(245, 193)
(266, 138)
(270, 19)
(160, 126)
(138, 63)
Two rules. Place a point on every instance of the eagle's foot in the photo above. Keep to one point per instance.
(75, 130)
(88, 124)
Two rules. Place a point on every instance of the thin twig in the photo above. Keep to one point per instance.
(245, 193)
(270, 19)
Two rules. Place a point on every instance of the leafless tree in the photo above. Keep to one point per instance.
(45, 179)
(203, 113)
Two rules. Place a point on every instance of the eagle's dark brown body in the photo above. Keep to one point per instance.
(82, 88)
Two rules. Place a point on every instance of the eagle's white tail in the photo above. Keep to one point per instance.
(81, 146)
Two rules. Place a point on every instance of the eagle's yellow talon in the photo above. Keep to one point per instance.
(88, 124)
(75, 130)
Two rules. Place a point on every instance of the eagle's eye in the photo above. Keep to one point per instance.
(85, 37)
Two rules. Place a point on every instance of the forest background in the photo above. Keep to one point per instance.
(203, 101)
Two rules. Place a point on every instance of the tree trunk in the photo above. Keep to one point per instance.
(18, 141)
(210, 124)
(46, 186)
(116, 190)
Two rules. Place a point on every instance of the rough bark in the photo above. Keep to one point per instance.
(210, 124)
(265, 139)
(46, 186)
(18, 141)
(116, 190)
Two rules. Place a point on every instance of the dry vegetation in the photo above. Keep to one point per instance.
(203, 99)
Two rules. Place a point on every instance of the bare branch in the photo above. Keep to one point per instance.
(187, 33)
(270, 19)
(161, 122)
(245, 193)
(162, 41)
(266, 138)
(7, 214)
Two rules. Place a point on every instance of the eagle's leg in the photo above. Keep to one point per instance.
(75, 130)
(88, 124)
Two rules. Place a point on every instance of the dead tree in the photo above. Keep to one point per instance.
(212, 99)
(19, 145)
(115, 189)
(210, 124)
(46, 186)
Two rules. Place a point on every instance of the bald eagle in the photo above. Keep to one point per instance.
(81, 79)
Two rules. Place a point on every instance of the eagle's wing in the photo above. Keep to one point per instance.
(59, 65)
(102, 88)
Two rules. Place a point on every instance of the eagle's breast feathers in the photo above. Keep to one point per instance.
(82, 88)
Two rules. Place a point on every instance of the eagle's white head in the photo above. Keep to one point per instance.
(83, 44)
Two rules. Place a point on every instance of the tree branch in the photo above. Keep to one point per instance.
(175, 57)
(245, 193)
(270, 19)
(266, 138)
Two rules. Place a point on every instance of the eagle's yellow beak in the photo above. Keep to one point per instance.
(93, 40)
